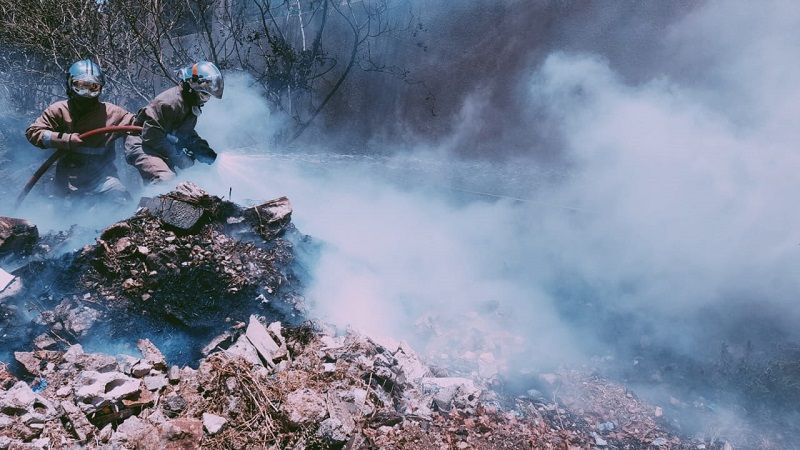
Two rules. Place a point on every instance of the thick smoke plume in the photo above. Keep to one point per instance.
(644, 199)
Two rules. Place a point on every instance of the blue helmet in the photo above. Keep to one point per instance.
(85, 79)
(204, 78)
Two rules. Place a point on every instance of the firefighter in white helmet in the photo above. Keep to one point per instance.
(169, 141)
(88, 169)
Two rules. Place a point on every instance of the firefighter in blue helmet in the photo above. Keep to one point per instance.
(169, 141)
(88, 169)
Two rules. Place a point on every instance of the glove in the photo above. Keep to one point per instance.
(65, 141)
(205, 155)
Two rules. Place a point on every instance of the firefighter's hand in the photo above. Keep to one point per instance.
(206, 156)
(74, 141)
(64, 141)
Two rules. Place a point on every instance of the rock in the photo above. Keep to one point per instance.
(331, 430)
(14, 288)
(598, 441)
(5, 421)
(411, 368)
(95, 390)
(151, 354)
(105, 433)
(182, 433)
(174, 405)
(136, 432)
(446, 392)
(17, 236)
(79, 320)
(5, 279)
(271, 218)
(174, 374)
(6, 379)
(222, 341)
(258, 336)
(44, 341)
(141, 369)
(122, 244)
(341, 412)
(245, 350)
(17, 400)
(213, 423)
(63, 391)
(115, 231)
(155, 382)
(660, 442)
(179, 214)
(80, 426)
(73, 354)
(606, 426)
(31, 363)
(304, 407)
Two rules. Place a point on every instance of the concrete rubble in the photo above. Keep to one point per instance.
(268, 388)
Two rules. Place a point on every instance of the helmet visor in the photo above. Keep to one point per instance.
(86, 88)
(210, 86)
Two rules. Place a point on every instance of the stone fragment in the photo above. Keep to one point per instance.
(5, 279)
(245, 350)
(271, 218)
(332, 431)
(213, 423)
(222, 341)
(141, 369)
(95, 390)
(151, 354)
(80, 426)
(183, 433)
(17, 235)
(305, 406)
(79, 320)
(445, 392)
(44, 341)
(258, 336)
(155, 382)
(174, 374)
(31, 363)
(6, 378)
(17, 400)
(174, 405)
(115, 231)
(176, 213)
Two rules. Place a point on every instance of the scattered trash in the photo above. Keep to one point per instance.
(39, 385)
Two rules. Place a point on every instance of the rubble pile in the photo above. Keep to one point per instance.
(189, 261)
(188, 238)
(268, 386)
(186, 260)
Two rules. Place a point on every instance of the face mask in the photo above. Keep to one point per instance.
(86, 89)
(203, 96)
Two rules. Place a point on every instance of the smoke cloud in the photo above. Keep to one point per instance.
(615, 181)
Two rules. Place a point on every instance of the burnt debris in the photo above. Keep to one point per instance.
(186, 263)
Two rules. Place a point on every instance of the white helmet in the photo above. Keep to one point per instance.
(85, 79)
(204, 78)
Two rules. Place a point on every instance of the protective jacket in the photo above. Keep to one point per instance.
(88, 169)
(169, 140)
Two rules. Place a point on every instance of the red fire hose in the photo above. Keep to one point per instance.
(58, 154)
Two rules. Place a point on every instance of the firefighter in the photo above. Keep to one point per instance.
(88, 169)
(169, 141)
